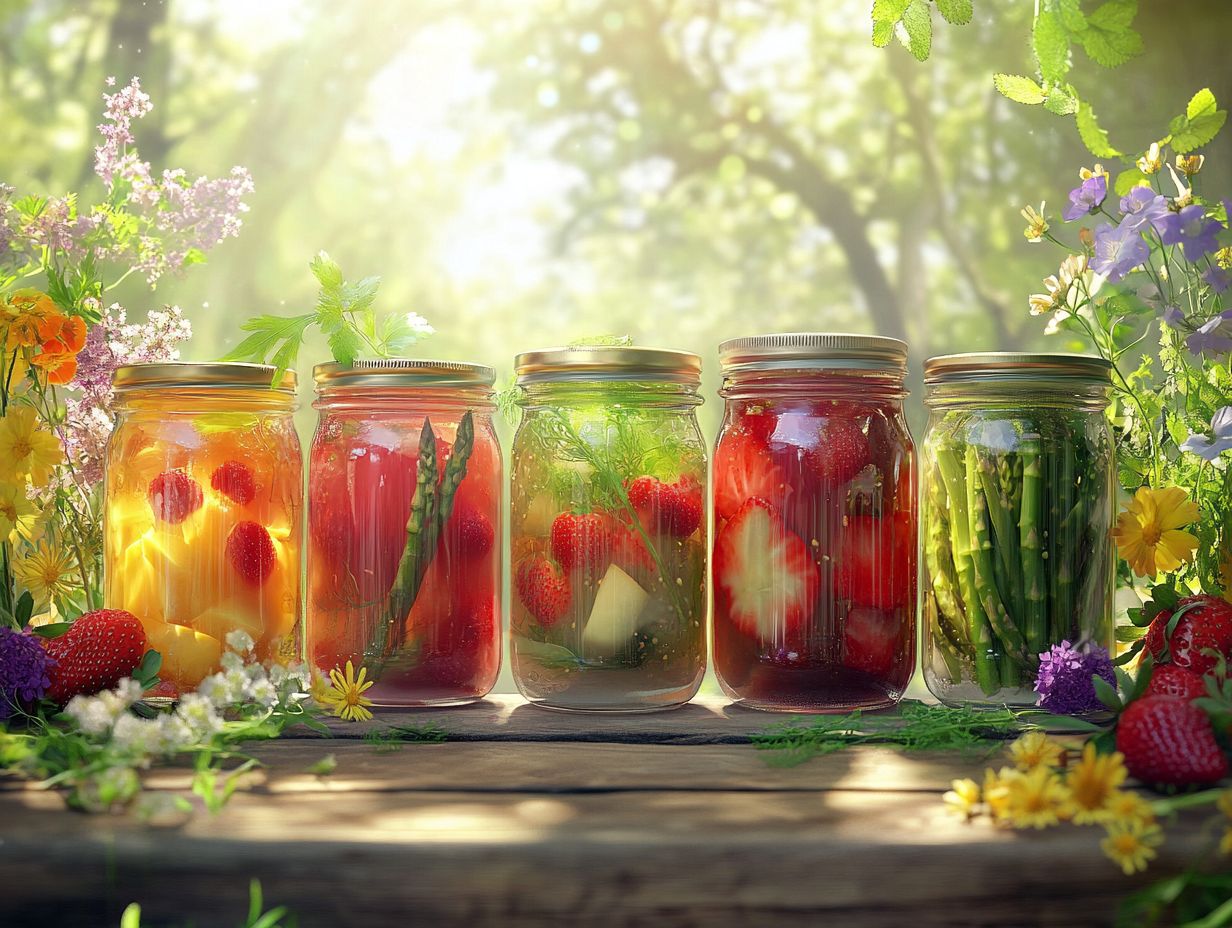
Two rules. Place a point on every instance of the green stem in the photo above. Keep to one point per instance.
(1011, 640)
(1030, 549)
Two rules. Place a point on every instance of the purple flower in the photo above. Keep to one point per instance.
(1085, 198)
(1118, 250)
(1206, 448)
(1143, 206)
(1173, 317)
(1191, 229)
(24, 667)
(1064, 679)
(1212, 337)
(1217, 277)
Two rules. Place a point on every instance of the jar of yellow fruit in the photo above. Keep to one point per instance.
(204, 495)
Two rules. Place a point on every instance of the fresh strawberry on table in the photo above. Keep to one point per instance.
(766, 581)
(99, 650)
(871, 640)
(743, 470)
(1207, 626)
(580, 540)
(543, 590)
(1169, 742)
(1170, 680)
(673, 508)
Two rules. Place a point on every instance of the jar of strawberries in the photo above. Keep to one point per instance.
(202, 514)
(404, 556)
(608, 529)
(815, 524)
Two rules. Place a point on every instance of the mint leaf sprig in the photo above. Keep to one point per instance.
(345, 313)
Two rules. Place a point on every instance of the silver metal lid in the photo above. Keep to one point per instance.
(226, 375)
(402, 372)
(813, 351)
(608, 363)
(1011, 365)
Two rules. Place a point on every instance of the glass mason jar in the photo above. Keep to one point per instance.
(608, 529)
(1017, 519)
(404, 529)
(815, 524)
(203, 499)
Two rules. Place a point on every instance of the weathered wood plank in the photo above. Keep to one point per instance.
(645, 859)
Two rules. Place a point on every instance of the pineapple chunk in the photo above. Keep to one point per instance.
(613, 620)
(188, 656)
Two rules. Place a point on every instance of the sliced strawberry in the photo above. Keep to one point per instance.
(174, 496)
(758, 420)
(251, 552)
(580, 541)
(235, 480)
(876, 562)
(473, 531)
(1206, 627)
(99, 650)
(766, 582)
(1170, 680)
(871, 639)
(629, 551)
(1169, 742)
(841, 450)
(543, 590)
(675, 509)
(744, 470)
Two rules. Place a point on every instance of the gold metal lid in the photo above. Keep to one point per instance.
(813, 351)
(608, 363)
(402, 372)
(1011, 365)
(225, 375)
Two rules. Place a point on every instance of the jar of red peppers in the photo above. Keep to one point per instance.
(404, 556)
(815, 524)
(609, 528)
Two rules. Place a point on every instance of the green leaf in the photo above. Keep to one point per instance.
(147, 671)
(193, 256)
(956, 12)
(883, 31)
(345, 345)
(1072, 17)
(918, 22)
(1062, 101)
(1107, 693)
(326, 270)
(131, 917)
(1093, 137)
(1128, 180)
(1019, 89)
(53, 630)
(1201, 123)
(324, 767)
(24, 609)
(1051, 44)
(1110, 39)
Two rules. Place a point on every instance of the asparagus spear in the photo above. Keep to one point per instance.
(1063, 545)
(980, 632)
(1011, 640)
(1030, 548)
(942, 574)
(1002, 505)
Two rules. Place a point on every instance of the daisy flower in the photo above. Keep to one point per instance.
(1132, 845)
(27, 448)
(345, 694)
(1036, 749)
(1091, 783)
(1149, 534)
(45, 572)
(963, 799)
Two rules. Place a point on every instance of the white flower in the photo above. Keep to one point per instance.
(263, 693)
(138, 736)
(1209, 449)
(232, 662)
(91, 716)
(419, 325)
(198, 714)
(240, 641)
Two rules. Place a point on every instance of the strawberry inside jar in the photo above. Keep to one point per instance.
(815, 524)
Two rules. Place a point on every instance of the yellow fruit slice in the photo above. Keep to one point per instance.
(188, 656)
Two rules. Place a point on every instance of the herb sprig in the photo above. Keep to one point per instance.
(344, 313)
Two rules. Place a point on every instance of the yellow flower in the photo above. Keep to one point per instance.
(27, 448)
(1036, 749)
(345, 697)
(1132, 844)
(1189, 165)
(1126, 806)
(1037, 225)
(1091, 783)
(32, 319)
(1223, 257)
(1152, 161)
(46, 572)
(17, 512)
(1088, 173)
(963, 798)
(1035, 799)
(1148, 533)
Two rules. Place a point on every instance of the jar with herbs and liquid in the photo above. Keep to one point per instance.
(404, 528)
(203, 501)
(608, 529)
(1018, 500)
(815, 524)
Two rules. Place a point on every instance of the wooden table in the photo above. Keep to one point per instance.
(527, 817)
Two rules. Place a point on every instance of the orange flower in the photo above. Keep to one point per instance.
(33, 319)
(60, 368)
(69, 337)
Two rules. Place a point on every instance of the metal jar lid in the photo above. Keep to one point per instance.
(789, 351)
(402, 372)
(608, 363)
(181, 375)
(986, 366)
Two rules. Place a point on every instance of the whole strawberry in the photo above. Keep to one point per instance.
(1206, 626)
(1168, 741)
(675, 508)
(1170, 680)
(543, 590)
(579, 541)
(99, 650)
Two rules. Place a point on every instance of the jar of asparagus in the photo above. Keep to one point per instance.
(1016, 517)
(608, 529)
